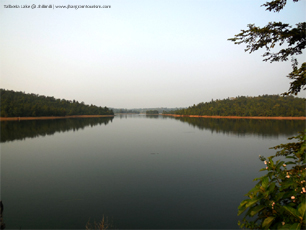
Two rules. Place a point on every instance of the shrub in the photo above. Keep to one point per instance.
(278, 199)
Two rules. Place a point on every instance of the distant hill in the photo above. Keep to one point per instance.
(151, 112)
(126, 111)
(143, 110)
(265, 105)
(19, 104)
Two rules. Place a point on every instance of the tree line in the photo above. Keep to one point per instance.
(265, 105)
(20, 104)
(152, 112)
(126, 111)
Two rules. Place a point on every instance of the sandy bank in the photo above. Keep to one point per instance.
(50, 118)
(238, 117)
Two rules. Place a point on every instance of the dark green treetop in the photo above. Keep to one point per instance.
(265, 105)
(19, 104)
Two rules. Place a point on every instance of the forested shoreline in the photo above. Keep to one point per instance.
(152, 112)
(20, 104)
(265, 106)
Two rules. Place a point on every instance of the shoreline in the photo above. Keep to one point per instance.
(239, 117)
(50, 117)
(173, 115)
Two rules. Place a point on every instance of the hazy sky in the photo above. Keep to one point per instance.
(139, 53)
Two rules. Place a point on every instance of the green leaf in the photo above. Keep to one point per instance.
(265, 182)
(290, 157)
(292, 204)
(241, 210)
(253, 190)
(302, 209)
(243, 203)
(293, 211)
(257, 209)
(242, 207)
(286, 226)
(279, 196)
(287, 184)
(296, 226)
(259, 178)
(266, 194)
(279, 165)
(270, 175)
(267, 222)
(251, 202)
(271, 187)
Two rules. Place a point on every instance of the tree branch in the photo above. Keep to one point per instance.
(276, 5)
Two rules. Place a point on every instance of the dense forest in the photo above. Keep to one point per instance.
(125, 111)
(19, 104)
(150, 112)
(266, 105)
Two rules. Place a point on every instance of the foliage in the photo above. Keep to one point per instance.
(266, 105)
(279, 33)
(278, 199)
(152, 112)
(276, 5)
(19, 104)
(299, 77)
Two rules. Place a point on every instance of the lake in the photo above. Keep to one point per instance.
(148, 172)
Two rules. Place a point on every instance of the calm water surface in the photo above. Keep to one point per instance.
(147, 172)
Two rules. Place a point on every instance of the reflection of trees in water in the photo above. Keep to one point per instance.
(19, 130)
(152, 116)
(245, 126)
(121, 116)
(2, 224)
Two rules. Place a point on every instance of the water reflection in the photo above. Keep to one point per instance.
(164, 172)
(152, 116)
(121, 116)
(19, 130)
(241, 127)
(2, 224)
